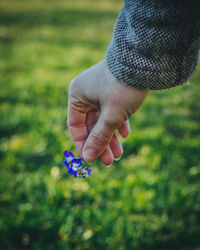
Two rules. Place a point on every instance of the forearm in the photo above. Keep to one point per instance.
(155, 44)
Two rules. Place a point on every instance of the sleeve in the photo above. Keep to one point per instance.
(155, 44)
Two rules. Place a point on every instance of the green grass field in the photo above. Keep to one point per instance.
(150, 199)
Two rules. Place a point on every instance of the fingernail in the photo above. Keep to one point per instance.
(108, 166)
(128, 126)
(89, 155)
(117, 159)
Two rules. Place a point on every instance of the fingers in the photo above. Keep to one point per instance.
(76, 121)
(80, 125)
(98, 139)
(107, 156)
(92, 118)
(113, 151)
(116, 147)
(124, 129)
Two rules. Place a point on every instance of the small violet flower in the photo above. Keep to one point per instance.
(69, 156)
(85, 172)
(75, 165)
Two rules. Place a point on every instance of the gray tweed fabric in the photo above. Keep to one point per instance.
(155, 44)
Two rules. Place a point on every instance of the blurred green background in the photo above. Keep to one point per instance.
(150, 199)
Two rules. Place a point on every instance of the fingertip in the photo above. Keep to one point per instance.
(124, 135)
(116, 147)
(89, 155)
(117, 159)
(107, 157)
(108, 166)
(124, 129)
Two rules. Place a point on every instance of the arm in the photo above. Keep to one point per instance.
(155, 44)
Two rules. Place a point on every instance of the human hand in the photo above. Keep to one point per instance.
(98, 104)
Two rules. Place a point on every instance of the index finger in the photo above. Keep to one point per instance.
(76, 121)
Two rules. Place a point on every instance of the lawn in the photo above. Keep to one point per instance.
(150, 199)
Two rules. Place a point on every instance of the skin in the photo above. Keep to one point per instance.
(98, 105)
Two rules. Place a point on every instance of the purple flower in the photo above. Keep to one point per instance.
(66, 164)
(73, 172)
(71, 169)
(85, 172)
(75, 165)
(69, 156)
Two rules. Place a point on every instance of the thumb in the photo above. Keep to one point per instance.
(99, 137)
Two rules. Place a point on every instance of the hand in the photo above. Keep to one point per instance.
(98, 104)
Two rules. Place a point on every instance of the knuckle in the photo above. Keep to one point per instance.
(112, 122)
(74, 81)
(75, 84)
(100, 139)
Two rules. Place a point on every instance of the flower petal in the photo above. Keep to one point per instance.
(70, 171)
(65, 162)
(77, 161)
(68, 154)
(68, 168)
(75, 173)
(71, 155)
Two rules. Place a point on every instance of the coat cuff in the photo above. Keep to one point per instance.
(149, 57)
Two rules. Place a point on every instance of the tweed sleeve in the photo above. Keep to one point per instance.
(155, 44)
